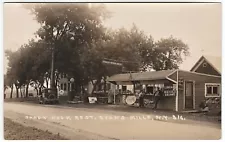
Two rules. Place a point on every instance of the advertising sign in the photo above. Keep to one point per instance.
(181, 84)
(111, 63)
(130, 100)
(61, 92)
(92, 100)
(169, 90)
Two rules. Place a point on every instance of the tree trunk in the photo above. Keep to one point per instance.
(47, 82)
(26, 92)
(21, 94)
(52, 83)
(39, 91)
(17, 92)
(95, 85)
(11, 91)
(36, 91)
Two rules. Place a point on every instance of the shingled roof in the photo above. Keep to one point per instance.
(153, 75)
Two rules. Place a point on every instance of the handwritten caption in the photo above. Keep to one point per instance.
(143, 117)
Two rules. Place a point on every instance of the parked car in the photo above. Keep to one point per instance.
(48, 96)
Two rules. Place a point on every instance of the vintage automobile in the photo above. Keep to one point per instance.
(48, 96)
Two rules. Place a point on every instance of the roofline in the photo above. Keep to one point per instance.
(198, 63)
(212, 66)
(140, 80)
(167, 77)
(201, 74)
(171, 80)
(194, 68)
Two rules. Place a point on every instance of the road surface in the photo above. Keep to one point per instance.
(92, 123)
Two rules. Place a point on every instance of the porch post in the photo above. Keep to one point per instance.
(177, 87)
(134, 87)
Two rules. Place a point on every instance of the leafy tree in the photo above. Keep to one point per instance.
(79, 42)
(68, 29)
(167, 54)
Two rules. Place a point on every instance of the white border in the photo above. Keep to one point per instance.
(138, 1)
(2, 73)
(1, 24)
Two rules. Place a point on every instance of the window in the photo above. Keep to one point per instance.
(149, 89)
(124, 88)
(204, 64)
(212, 90)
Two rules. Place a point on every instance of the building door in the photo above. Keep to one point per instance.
(189, 95)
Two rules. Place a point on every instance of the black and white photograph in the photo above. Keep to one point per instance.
(112, 71)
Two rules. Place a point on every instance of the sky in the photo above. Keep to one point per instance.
(197, 25)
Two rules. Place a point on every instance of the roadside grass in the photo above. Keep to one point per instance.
(16, 131)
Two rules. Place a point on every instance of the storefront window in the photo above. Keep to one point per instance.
(149, 89)
(124, 88)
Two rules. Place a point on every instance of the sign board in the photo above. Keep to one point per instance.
(112, 63)
(181, 84)
(169, 90)
(130, 100)
(92, 100)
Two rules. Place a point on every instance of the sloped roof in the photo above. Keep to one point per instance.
(153, 75)
(214, 61)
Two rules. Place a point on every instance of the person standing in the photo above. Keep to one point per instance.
(141, 99)
(158, 96)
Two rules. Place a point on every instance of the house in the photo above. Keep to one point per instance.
(64, 85)
(184, 90)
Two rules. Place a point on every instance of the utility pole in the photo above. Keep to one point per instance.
(52, 83)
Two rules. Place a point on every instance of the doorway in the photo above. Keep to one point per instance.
(189, 93)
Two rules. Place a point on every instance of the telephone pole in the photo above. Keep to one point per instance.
(52, 83)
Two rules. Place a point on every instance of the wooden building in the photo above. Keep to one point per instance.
(184, 90)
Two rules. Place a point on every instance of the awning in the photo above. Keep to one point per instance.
(141, 76)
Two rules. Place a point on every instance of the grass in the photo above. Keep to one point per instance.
(16, 131)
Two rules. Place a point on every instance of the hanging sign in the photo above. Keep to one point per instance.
(169, 90)
(111, 63)
(181, 84)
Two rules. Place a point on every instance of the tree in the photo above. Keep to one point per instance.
(5, 86)
(73, 25)
(72, 35)
(167, 54)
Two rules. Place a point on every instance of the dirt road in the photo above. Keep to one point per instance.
(87, 123)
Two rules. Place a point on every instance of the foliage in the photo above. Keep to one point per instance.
(75, 33)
